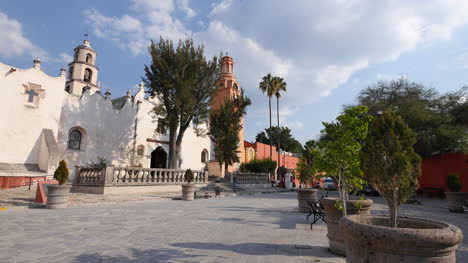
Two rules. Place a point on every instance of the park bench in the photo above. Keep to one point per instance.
(317, 210)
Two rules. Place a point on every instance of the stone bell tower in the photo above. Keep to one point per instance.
(82, 71)
(227, 87)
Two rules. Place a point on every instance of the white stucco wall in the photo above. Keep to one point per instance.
(110, 130)
(192, 145)
(21, 124)
(107, 130)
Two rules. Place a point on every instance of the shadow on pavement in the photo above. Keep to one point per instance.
(262, 249)
(150, 255)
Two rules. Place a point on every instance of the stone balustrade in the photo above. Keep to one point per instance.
(121, 176)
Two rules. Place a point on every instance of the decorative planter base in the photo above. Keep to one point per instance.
(57, 196)
(188, 192)
(456, 200)
(303, 196)
(369, 239)
(333, 215)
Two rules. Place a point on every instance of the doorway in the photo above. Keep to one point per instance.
(159, 158)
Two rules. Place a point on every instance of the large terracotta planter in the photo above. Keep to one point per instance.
(333, 215)
(456, 200)
(303, 196)
(57, 196)
(369, 239)
(188, 192)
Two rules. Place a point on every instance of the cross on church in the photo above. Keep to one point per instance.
(31, 94)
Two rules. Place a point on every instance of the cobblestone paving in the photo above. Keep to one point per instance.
(260, 228)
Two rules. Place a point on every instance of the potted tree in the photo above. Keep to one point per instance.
(306, 171)
(188, 190)
(455, 199)
(338, 158)
(392, 167)
(57, 195)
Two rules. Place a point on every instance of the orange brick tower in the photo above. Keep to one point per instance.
(227, 88)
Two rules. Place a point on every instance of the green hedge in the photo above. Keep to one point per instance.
(259, 166)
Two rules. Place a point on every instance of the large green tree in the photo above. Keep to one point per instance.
(289, 143)
(224, 128)
(389, 161)
(439, 121)
(339, 154)
(266, 86)
(184, 81)
(279, 86)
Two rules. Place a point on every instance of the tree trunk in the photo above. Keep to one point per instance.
(343, 198)
(393, 211)
(172, 148)
(271, 132)
(277, 117)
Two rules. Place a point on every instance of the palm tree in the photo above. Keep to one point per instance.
(267, 87)
(279, 85)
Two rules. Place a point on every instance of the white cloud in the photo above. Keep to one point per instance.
(314, 53)
(184, 5)
(13, 42)
(220, 7)
(294, 125)
(65, 58)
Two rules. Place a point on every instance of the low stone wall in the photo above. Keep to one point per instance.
(164, 188)
(110, 179)
(252, 178)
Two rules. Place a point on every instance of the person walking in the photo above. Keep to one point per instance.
(234, 183)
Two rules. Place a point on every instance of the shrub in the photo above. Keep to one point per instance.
(389, 161)
(453, 182)
(259, 166)
(61, 173)
(99, 163)
(188, 176)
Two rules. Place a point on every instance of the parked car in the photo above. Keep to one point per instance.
(367, 189)
(329, 184)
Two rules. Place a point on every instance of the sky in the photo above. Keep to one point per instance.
(326, 51)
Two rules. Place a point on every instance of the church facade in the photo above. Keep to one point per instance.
(68, 117)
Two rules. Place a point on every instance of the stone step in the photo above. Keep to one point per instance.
(26, 167)
(20, 173)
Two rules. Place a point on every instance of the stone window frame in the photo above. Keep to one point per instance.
(140, 150)
(204, 156)
(89, 58)
(84, 138)
(90, 78)
(36, 88)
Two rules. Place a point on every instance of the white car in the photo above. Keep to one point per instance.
(329, 184)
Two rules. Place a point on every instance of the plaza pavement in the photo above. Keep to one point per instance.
(253, 228)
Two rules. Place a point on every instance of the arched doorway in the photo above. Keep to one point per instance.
(159, 158)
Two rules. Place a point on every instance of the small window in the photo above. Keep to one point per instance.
(161, 126)
(88, 75)
(89, 58)
(226, 68)
(204, 156)
(70, 73)
(75, 140)
(140, 150)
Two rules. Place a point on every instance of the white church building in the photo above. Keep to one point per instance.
(46, 119)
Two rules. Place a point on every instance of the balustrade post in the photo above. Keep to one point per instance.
(77, 175)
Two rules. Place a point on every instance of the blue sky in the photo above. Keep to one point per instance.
(327, 51)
